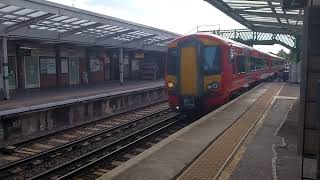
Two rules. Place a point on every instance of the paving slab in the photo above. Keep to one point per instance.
(167, 158)
(262, 156)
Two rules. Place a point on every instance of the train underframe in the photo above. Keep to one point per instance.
(201, 104)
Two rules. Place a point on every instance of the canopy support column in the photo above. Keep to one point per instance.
(121, 65)
(4, 62)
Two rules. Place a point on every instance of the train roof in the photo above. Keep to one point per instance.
(227, 41)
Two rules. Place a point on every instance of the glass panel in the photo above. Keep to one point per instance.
(172, 62)
(64, 65)
(74, 70)
(241, 63)
(12, 72)
(211, 61)
(32, 72)
(47, 65)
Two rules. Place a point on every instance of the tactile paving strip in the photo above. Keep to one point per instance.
(209, 164)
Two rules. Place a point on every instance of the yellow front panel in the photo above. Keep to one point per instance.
(188, 71)
(210, 79)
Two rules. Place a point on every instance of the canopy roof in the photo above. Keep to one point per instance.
(55, 23)
(262, 15)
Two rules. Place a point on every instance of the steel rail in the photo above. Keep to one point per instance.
(85, 124)
(177, 118)
(7, 167)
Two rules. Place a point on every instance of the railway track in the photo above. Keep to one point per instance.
(33, 153)
(102, 160)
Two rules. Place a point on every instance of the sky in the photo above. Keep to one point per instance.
(179, 16)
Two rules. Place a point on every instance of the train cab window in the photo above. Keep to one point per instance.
(172, 61)
(211, 60)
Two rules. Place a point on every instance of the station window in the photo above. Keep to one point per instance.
(211, 60)
(47, 65)
(172, 61)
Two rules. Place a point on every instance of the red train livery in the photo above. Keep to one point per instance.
(203, 70)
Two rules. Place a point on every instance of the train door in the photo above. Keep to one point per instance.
(235, 72)
(73, 71)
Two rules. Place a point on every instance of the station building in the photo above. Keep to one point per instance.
(40, 65)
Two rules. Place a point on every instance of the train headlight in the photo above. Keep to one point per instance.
(214, 85)
(170, 84)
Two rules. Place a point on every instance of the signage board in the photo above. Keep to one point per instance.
(139, 55)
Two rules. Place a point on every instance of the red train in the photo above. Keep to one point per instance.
(203, 70)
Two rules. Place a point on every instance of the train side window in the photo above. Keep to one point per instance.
(259, 63)
(235, 63)
(253, 64)
(241, 64)
(211, 60)
(172, 61)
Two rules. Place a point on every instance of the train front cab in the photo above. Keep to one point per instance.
(193, 78)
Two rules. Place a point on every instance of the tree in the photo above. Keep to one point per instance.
(289, 57)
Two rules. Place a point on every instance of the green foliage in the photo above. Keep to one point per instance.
(290, 57)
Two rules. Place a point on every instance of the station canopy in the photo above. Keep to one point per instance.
(54, 23)
(262, 15)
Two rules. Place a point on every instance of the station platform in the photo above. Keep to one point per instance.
(34, 99)
(252, 136)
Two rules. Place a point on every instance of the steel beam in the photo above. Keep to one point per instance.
(5, 71)
(62, 10)
(114, 35)
(140, 39)
(275, 30)
(264, 14)
(256, 8)
(52, 37)
(275, 13)
(121, 65)
(286, 16)
(27, 23)
(272, 42)
(264, 38)
(300, 15)
(276, 25)
(74, 31)
(222, 6)
(157, 42)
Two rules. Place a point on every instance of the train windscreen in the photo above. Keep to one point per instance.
(172, 62)
(211, 60)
